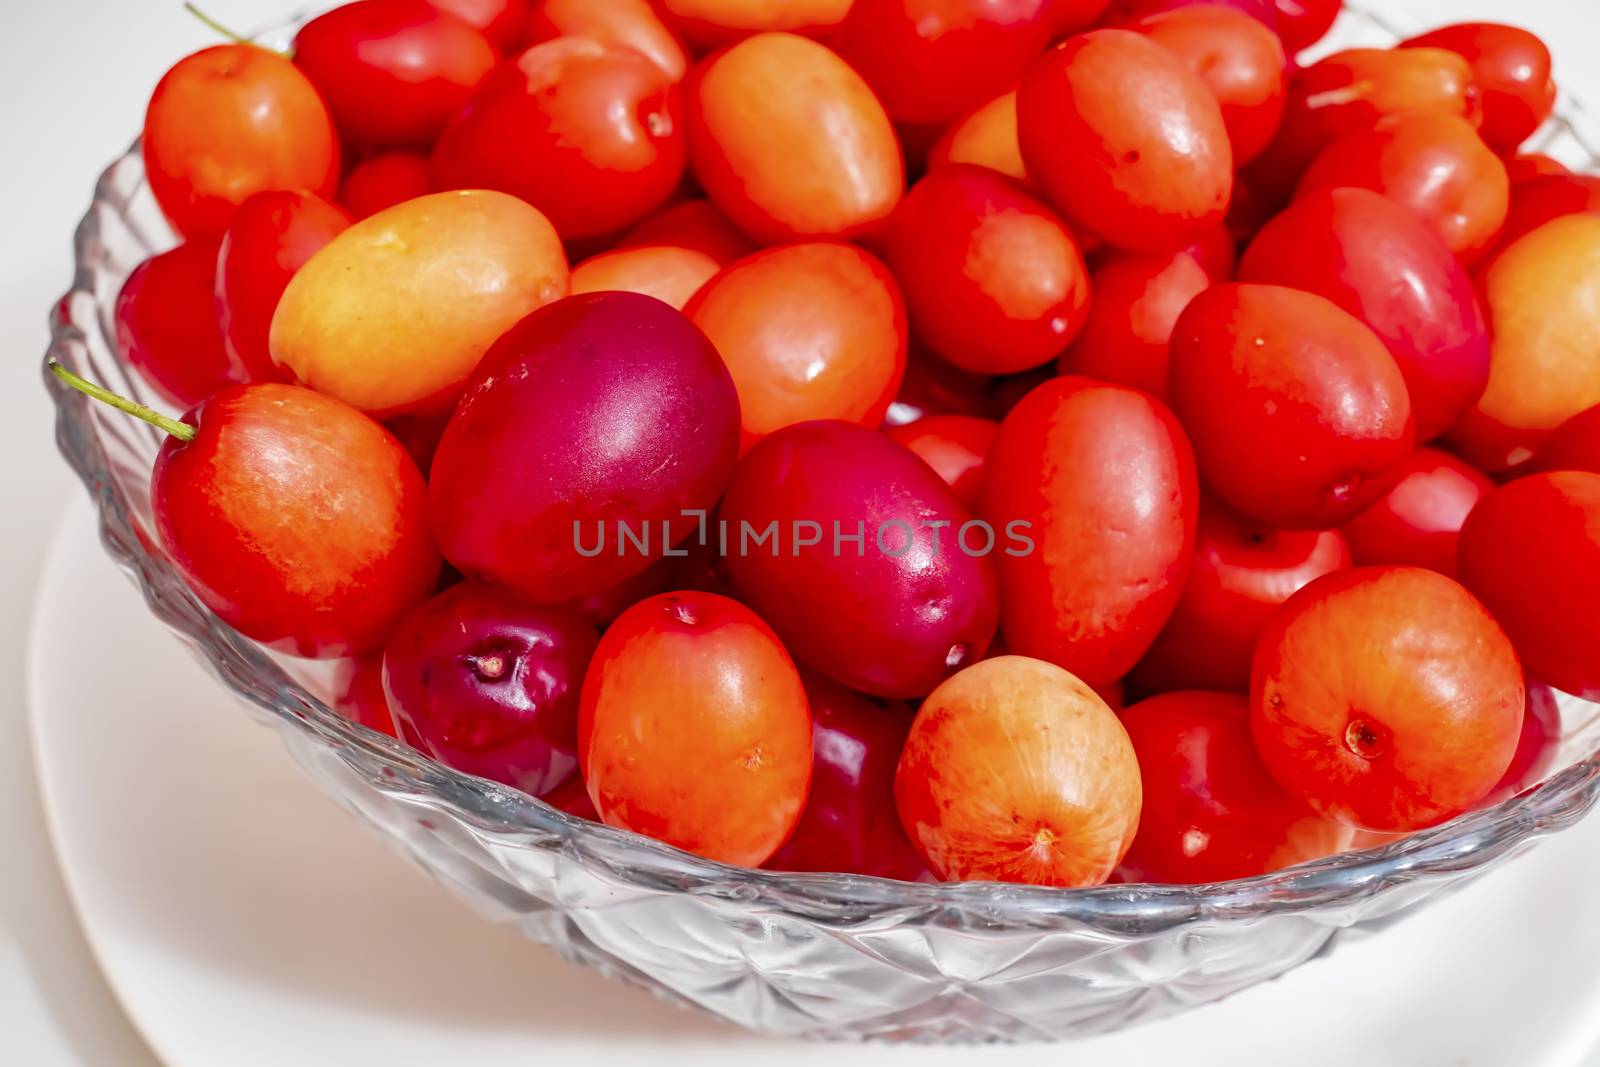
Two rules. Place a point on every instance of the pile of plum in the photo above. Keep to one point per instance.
(1034, 440)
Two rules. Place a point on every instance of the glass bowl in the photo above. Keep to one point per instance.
(831, 956)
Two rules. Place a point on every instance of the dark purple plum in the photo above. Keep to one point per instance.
(892, 616)
(599, 409)
(488, 683)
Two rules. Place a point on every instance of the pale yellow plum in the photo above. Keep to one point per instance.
(1542, 295)
(394, 314)
(1016, 771)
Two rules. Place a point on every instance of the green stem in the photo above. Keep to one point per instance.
(232, 35)
(181, 430)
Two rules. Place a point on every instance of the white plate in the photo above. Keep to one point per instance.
(244, 919)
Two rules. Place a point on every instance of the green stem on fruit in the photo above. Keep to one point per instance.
(181, 430)
(233, 35)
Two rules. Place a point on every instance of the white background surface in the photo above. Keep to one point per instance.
(74, 77)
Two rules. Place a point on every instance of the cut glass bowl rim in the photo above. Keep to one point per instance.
(1462, 846)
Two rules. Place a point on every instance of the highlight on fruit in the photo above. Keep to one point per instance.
(1092, 443)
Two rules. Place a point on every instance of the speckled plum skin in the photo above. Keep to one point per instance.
(489, 683)
(892, 626)
(600, 408)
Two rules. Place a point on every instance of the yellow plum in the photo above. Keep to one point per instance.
(394, 314)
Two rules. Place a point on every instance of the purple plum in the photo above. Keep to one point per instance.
(597, 410)
(488, 683)
(891, 614)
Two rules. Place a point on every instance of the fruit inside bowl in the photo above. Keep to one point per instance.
(863, 530)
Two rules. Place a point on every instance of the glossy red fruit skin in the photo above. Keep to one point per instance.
(382, 181)
(850, 824)
(1530, 551)
(1302, 23)
(1435, 166)
(911, 51)
(1390, 270)
(1137, 301)
(694, 729)
(1211, 811)
(589, 135)
(228, 122)
(1386, 697)
(1537, 200)
(503, 22)
(166, 323)
(1240, 60)
(488, 684)
(1104, 474)
(1419, 521)
(271, 236)
(1355, 90)
(993, 278)
(358, 693)
(1512, 69)
(244, 512)
(393, 72)
(1124, 140)
(1254, 363)
(635, 24)
(1536, 747)
(1575, 446)
(1241, 574)
(889, 625)
(584, 383)
(955, 446)
(810, 330)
